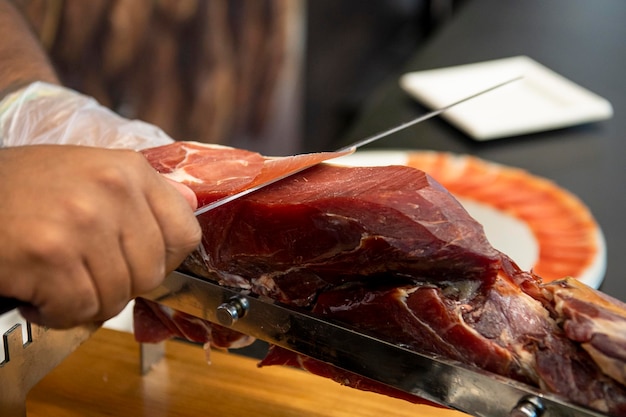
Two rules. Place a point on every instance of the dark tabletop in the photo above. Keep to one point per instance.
(582, 40)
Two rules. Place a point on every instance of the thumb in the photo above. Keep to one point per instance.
(186, 192)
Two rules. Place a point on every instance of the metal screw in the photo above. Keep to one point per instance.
(528, 407)
(229, 312)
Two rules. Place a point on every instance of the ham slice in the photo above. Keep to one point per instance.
(217, 171)
(390, 251)
(595, 320)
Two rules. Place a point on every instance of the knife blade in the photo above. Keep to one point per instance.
(349, 148)
(441, 381)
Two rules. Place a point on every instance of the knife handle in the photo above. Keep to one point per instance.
(8, 304)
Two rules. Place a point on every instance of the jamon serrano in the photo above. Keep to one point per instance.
(390, 251)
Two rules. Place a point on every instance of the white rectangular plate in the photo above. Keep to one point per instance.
(541, 100)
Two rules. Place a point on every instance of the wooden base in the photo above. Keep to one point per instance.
(102, 378)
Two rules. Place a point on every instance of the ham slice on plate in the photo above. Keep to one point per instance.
(390, 251)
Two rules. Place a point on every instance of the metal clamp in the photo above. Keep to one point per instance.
(229, 312)
(528, 407)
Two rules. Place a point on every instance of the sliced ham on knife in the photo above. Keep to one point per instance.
(217, 171)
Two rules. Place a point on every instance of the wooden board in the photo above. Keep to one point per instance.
(102, 378)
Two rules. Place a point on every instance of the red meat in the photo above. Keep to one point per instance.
(390, 251)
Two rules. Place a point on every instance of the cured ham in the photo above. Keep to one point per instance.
(564, 227)
(390, 251)
(593, 319)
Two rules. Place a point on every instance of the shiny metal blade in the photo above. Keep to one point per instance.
(434, 113)
(444, 382)
(350, 148)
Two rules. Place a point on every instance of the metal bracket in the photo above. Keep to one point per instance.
(149, 355)
(26, 363)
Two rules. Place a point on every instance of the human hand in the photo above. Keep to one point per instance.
(86, 229)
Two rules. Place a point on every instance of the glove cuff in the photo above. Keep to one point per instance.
(30, 92)
(44, 113)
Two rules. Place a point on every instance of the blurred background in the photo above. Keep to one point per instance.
(273, 76)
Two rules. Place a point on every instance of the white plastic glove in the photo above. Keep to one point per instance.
(43, 113)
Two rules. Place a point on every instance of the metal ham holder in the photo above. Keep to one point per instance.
(441, 381)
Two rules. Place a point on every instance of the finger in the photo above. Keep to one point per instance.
(63, 300)
(179, 227)
(144, 250)
(91, 231)
(55, 282)
(186, 192)
(108, 269)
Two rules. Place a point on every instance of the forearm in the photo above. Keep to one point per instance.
(22, 59)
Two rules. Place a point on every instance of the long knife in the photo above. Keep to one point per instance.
(7, 304)
(441, 381)
(349, 148)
